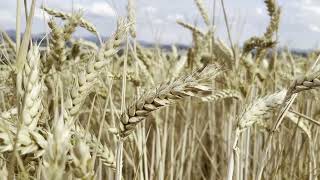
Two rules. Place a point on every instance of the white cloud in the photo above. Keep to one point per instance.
(175, 17)
(304, 7)
(102, 9)
(259, 11)
(314, 28)
(7, 16)
(150, 9)
(312, 8)
(158, 21)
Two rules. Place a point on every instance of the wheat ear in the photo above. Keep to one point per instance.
(274, 13)
(162, 96)
(103, 152)
(32, 85)
(266, 41)
(203, 11)
(85, 80)
(256, 113)
(57, 54)
(191, 28)
(306, 82)
(9, 42)
(83, 23)
(261, 109)
(111, 47)
(55, 156)
(70, 27)
(81, 160)
(132, 18)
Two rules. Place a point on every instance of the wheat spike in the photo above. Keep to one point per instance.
(162, 96)
(86, 79)
(261, 109)
(274, 13)
(203, 11)
(111, 47)
(81, 160)
(9, 42)
(103, 152)
(57, 54)
(191, 28)
(32, 85)
(83, 23)
(9, 113)
(55, 156)
(69, 28)
(132, 18)
(306, 82)
(30, 141)
(257, 42)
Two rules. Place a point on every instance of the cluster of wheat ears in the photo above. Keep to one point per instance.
(73, 109)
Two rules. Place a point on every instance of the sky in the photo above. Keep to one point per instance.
(156, 19)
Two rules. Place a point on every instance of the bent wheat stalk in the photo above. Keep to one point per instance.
(256, 113)
(301, 84)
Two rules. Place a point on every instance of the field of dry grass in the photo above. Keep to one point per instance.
(79, 110)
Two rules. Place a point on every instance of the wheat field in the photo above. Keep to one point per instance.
(75, 109)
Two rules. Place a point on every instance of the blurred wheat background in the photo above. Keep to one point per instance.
(71, 108)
